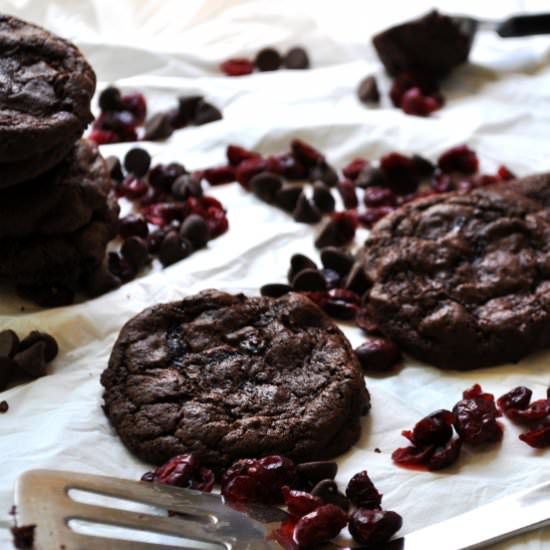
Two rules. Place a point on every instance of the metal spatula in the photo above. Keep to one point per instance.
(43, 498)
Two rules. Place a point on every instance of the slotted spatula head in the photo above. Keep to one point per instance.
(43, 498)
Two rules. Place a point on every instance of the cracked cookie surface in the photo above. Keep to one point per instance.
(226, 376)
(463, 280)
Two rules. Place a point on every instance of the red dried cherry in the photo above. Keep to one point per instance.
(136, 104)
(537, 410)
(219, 175)
(400, 172)
(459, 159)
(475, 418)
(379, 196)
(300, 503)
(538, 438)
(346, 189)
(434, 429)
(518, 398)
(378, 355)
(319, 526)
(372, 527)
(305, 153)
(362, 492)
(182, 471)
(354, 168)
(445, 455)
(237, 66)
(236, 154)
(412, 456)
(366, 322)
(414, 102)
(370, 216)
(248, 168)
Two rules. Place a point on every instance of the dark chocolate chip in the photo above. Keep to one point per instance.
(99, 281)
(336, 259)
(120, 267)
(310, 280)
(158, 127)
(357, 280)
(51, 350)
(174, 248)
(137, 161)
(296, 58)
(324, 172)
(115, 168)
(154, 240)
(424, 167)
(299, 262)
(134, 250)
(327, 490)
(133, 225)
(47, 295)
(322, 197)
(109, 99)
(268, 59)
(266, 185)
(275, 290)
(33, 360)
(187, 106)
(186, 186)
(205, 113)
(7, 367)
(368, 90)
(370, 176)
(314, 472)
(287, 197)
(195, 229)
(332, 278)
(9, 342)
(306, 211)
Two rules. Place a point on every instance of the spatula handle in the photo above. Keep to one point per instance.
(524, 25)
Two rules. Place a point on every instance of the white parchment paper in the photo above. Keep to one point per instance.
(498, 104)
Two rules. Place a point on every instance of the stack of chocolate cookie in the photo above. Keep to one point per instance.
(57, 210)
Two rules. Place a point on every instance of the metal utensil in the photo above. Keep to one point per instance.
(515, 26)
(43, 497)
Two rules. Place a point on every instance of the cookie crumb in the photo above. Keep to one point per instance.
(4, 406)
(377, 450)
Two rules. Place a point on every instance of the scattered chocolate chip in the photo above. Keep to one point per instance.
(357, 280)
(268, 59)
(187, 107)
(186, 186)
(52, 349)
(275, 290)
(370, 176)
(206, 113)
(9, 342)
(173, 249)
(120, 267)
(7, 367)
(296, 58)
(158, 127)
(99, 281)
(322, 197)
(47, 295)
(310, 280)
(137, 161)
(195, 229)
(306, 211)
(154, 240)
(336, 259)
(134, 250)
(332, 278)
(377, 450)
(327, 489)
(424, 167)
(368, 90)
(287, 197)
(314, 472)
(4, 409)
(335, 232)
(265, 186)
(115, 168)
(324, 172)
(33, 359)
(299, 262)
(133, 225)
(110, 99)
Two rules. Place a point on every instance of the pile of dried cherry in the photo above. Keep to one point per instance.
(267, 59)
(123, 117)
(167, 197)
(317, 509)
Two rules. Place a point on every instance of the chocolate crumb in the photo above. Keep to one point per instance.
(4, 406)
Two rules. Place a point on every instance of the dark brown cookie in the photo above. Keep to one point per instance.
(60, 201)
(226, 376)
(45, 94)
(463, 280)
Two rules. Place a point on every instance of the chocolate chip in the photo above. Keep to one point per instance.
(306, 211)
(158, 127)
(134, 250)
(120, 267)
(299, 262)
(206, 113)
(310, 280)
(47, 295)
(339, 230)
(109, 99)
(314, 472)
(327, 490)
(336, 259)
(370, 176)
(357, 280)
(133, 225)
(137, 161)
(324, 172)
(7, 367)
(368, 90)
(322, 197)
(275, 290)
(296, 58)
(332, 278)
(187, 106)
(424, 167)
(266, 185)
(195, 229)
(268, 59)
(99, 281)
(287, 197)
(115, 168)
(51, 350)
(186, 186)
(173, 249)
(4, 407)
(33, 359)
(9, 342)
(154, 240)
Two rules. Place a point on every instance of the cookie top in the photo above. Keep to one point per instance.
(463, 280)
(60, 201)
(45, 90)
(225, 376)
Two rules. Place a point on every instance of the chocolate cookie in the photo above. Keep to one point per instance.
(225, 376)
(60, 201)
(45, 90)
(463, 280)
